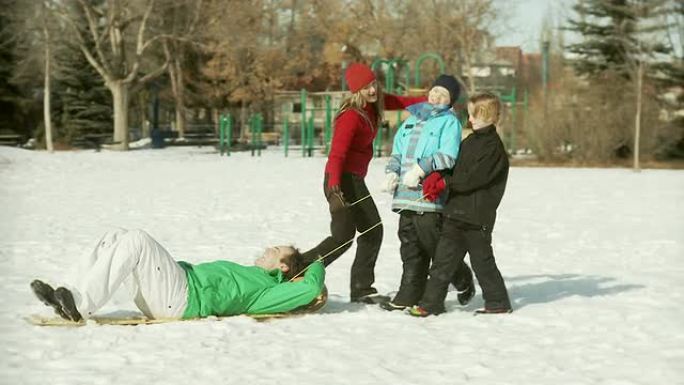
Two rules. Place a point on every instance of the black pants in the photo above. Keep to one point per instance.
(343, 227)
(456, 240)
(419, 236)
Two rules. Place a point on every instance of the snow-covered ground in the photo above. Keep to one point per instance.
(593, 259)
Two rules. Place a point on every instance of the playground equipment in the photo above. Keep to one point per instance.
(256, 124)
(225, 134)
(313, 112)
(391, 67)
(392, 64)
(421, 59)
(312, 115)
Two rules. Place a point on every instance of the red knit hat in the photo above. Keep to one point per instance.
(358, 75)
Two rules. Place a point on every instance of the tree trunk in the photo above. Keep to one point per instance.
(180, 100)
(177, 86)
(471, 76)
(47, 115)
(466, 38)
(143, 106)
(180, 117)
(290, 28)
(637, 119)
(119, 91)
(243, 120)
(109, 29)
(215, 120)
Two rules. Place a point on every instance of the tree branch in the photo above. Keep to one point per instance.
(83, 45)
(141, 29)
(171, 67)
(156, 73)
(195, 20)
(92, 26)
(140, 46)
(150, 41)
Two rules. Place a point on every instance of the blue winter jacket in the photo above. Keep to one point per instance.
(431, 136)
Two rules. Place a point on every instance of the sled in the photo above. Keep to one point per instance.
(41, 320)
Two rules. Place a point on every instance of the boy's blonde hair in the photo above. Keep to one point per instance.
(485, 107)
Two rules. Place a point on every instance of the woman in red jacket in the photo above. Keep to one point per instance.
(356, 126)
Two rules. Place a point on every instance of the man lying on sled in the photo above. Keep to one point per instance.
(166, 289)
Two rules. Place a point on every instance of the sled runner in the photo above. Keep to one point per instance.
(41, 320)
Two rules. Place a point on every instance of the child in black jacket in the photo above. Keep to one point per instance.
(474, 189)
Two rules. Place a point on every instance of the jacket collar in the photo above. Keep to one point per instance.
(485, 130)
(277, 274)
(425, 110)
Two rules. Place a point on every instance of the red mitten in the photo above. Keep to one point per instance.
(433, 185)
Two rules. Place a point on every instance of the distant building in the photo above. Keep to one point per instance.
(498, 70)
(513, 55)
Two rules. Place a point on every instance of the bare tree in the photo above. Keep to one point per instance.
(237, 69)
(469, 28)
(33, 30)
(184, 18)
(111, 27)
(47, 106)
(639, 51)
(455, 29)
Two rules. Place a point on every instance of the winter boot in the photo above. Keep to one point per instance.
(503, 310)
(66, 300)
(464, 296)
(46, 294)
(391, 306)
(371, 299)
(419, 311)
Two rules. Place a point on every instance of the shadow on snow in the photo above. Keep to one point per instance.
(544, 288)
(555, 287)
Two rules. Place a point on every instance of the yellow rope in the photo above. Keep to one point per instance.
(351, 240)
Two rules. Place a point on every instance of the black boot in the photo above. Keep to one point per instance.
(46, 295)
(371, 299)
(502, 310)
(66, 300)
(391, 306)
(466, 295)
(464, 283)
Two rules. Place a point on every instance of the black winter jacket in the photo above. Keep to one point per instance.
(477, 182)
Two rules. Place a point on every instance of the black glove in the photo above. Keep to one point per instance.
(336, 200)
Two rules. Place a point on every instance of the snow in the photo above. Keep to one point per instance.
(593, 259)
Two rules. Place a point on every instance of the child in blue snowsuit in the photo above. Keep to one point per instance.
(427, 141)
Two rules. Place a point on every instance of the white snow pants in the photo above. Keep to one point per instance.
(157, 283)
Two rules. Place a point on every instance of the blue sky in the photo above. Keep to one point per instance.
(522, 21)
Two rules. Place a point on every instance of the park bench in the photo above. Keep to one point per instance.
(92, 141)
(11, 140)
(192, 137)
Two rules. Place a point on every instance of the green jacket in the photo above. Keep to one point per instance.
(224, 288)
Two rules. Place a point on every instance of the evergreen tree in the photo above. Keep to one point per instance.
(616, 35)
(672, 71)
(624, 45)
(9, 94)
(14, 105)
(86, 102)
